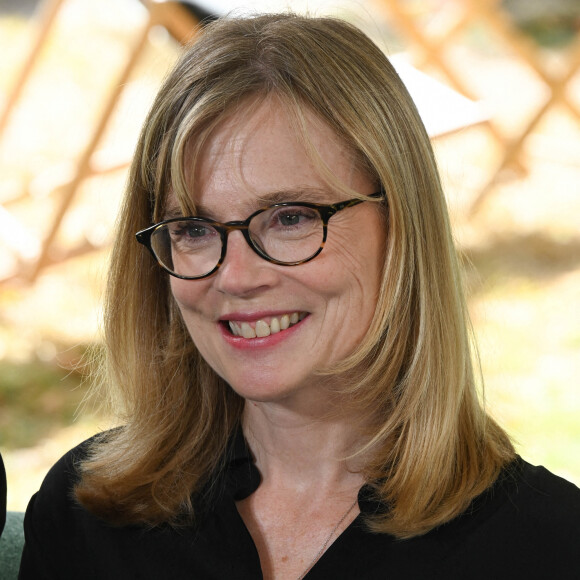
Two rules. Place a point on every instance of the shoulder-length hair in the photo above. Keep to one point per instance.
(432, 446)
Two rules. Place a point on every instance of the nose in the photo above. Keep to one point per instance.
(243, 272)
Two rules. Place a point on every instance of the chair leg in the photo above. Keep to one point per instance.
(50, 9)
(83, 165)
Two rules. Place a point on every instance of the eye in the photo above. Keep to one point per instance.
(191, 234)
(293, 217)
(191, 231)
(289, 219)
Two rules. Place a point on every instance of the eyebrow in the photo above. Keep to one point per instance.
(172, 212)
(310, 195)
(306, 195)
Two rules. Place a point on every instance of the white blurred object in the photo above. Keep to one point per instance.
(442, 109)
(17, 237)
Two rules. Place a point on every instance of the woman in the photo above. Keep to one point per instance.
(294, 384)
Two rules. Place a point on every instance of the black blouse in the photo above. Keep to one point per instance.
(527, 525)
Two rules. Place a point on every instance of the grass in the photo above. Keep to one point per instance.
(36, 399)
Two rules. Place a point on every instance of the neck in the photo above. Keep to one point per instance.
(301, 452)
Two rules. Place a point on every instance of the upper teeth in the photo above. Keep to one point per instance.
(262, 328)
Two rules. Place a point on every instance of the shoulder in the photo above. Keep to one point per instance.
(53, 517)
(58, 486)
(537, 495)
(526, 525)
(528, 502)
(57, 492)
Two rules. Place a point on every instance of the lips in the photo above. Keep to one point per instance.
(265, 326)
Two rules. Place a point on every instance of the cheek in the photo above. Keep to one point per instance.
(188, 295)
(350, 286)
(353, 276)
(358, 259)
(179, 291)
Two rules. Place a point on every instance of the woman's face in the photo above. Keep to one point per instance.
(328, 303)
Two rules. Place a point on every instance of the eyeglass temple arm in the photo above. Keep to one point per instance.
(350, 202)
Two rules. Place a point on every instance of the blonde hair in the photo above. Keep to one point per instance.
(432, 446)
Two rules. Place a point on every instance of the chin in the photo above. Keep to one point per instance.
(266, 394)
(259, 390)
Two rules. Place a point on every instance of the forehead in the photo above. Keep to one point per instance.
(264, 152)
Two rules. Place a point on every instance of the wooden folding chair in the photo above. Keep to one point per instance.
(491, 12)
(428, 50)
(181, 19)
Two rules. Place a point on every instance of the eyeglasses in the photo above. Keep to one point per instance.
(287, 234)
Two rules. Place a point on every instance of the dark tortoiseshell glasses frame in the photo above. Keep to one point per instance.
(325, 211)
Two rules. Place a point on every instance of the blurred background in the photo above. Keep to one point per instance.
(498, 84)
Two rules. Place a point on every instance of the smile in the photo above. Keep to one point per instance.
(266, 326)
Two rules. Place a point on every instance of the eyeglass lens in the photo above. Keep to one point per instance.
(286, 234)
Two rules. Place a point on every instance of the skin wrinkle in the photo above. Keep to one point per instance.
(243, 118)
(238, 179)
(348, 261)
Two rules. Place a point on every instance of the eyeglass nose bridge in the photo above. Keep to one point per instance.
(244, 227)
